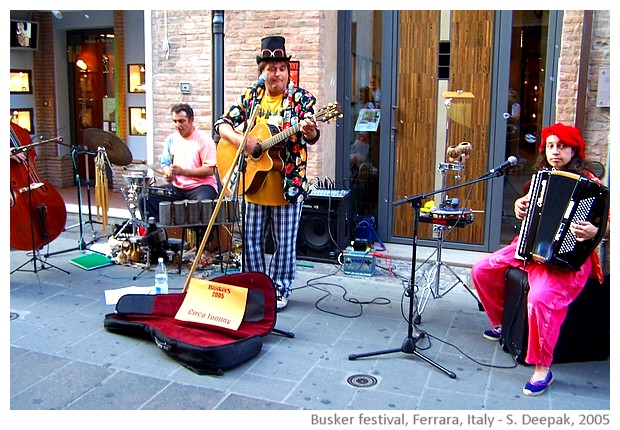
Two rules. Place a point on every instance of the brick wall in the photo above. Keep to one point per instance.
(597, 120)
(116, 179)
(597, 126)
(53, 169)
(189, 59)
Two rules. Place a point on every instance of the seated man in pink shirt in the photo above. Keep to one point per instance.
(188, 164)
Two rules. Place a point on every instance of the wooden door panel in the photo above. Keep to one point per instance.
(471, 48)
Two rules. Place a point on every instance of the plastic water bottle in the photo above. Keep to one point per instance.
(161, 277)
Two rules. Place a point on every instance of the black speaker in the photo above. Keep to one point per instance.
(323, 232)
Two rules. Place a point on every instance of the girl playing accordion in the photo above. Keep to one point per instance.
(551, 289)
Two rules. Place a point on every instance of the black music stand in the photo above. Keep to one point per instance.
(82, 244)
(35, 252)
(409, 344)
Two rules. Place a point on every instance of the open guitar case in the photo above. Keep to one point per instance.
(203, 348)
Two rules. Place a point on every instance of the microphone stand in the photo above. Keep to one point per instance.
(226, 182)
(409, 344)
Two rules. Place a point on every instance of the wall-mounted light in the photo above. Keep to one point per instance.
(81, 64)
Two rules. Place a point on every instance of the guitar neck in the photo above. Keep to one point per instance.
(326, 113)
(274, 140)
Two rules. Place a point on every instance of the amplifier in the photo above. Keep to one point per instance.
(323, 230)
(321, 193)
(358, 262)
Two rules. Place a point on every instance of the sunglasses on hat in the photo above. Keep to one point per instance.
(275, 53)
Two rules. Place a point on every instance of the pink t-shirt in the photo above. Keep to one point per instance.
(196, 151)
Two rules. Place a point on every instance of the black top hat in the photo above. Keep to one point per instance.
(272, 49)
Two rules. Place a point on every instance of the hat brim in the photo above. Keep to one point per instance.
(260, 59)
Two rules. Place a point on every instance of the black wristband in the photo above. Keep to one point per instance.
(315, 139)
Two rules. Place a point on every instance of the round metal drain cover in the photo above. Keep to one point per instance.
(14, 316)
(363, 381)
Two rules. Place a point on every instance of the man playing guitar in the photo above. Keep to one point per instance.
(276, 203)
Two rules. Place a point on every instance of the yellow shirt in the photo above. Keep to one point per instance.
(272, 191)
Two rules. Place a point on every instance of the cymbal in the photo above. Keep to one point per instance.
(140, 167)
(118, 153)
(144, 167)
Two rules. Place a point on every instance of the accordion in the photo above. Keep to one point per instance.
(558, 199)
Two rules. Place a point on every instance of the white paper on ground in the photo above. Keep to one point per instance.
(112, 296)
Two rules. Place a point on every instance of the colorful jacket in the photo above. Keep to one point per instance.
(299, 103)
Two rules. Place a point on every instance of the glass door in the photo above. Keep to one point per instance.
(364, 143)
(524, 110)
(91, 68)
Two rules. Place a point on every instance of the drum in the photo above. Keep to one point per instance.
(180, 212)
(135, 180)
(455, 217)
(158, 191)
(193, 212)
(206, 210)
(232, 210)
(165, 213)
(222, 214)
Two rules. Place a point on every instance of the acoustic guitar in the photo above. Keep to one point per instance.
(270, 158)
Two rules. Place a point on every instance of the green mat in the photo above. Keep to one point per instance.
(91, 261)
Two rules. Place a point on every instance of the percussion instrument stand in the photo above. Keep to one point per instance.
(433, 273)
(432, 277)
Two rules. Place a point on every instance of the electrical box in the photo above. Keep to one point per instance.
(185, 88)
(358, 262)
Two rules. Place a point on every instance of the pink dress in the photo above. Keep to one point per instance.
(551, 291)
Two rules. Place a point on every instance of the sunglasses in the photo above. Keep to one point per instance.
(275, 53)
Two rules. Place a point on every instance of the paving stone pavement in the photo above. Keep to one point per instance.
(62, 358)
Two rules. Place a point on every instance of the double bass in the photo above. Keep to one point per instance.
(38, 212)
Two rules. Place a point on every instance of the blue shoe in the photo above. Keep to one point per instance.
(535, 388)
(494, 334)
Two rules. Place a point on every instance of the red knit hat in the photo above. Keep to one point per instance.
(568, 134)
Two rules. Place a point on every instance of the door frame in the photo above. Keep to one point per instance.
(343, 132)
(497, 128)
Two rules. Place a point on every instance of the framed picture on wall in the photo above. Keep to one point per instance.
(24, 34)
(21, 81)
(24, 117)
(136, 76)
(137, 121)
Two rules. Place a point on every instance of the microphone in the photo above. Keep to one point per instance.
(512, 160)
(260, 82)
